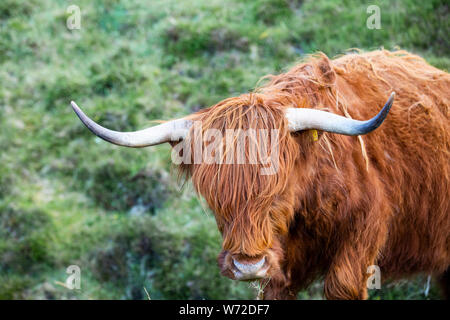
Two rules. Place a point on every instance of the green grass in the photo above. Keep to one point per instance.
(67, 197)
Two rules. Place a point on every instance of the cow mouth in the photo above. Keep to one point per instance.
(245, 271)
(261, 274)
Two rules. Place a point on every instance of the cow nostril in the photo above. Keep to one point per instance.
(249, 268)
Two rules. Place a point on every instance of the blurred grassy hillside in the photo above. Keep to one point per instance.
(68, 198)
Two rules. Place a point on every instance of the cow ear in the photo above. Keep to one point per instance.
(308, 137)
(315, 134)
(324, 71)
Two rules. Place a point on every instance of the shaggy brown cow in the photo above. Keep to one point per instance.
(338, 202)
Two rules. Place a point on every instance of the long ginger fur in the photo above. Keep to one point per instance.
(342, 203)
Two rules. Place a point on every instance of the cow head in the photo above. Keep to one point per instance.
(240, 155)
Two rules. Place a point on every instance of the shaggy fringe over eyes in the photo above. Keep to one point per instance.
(239, 194)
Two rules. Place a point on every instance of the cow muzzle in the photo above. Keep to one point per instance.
(249, 270)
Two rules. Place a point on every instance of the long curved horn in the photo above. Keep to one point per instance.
(303, 119)
(174, 130)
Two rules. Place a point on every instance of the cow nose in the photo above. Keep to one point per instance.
(245, 271)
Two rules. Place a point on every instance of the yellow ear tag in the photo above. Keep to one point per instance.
(315, 135)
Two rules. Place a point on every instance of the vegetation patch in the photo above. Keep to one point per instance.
(25, 237)
(67, 197)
